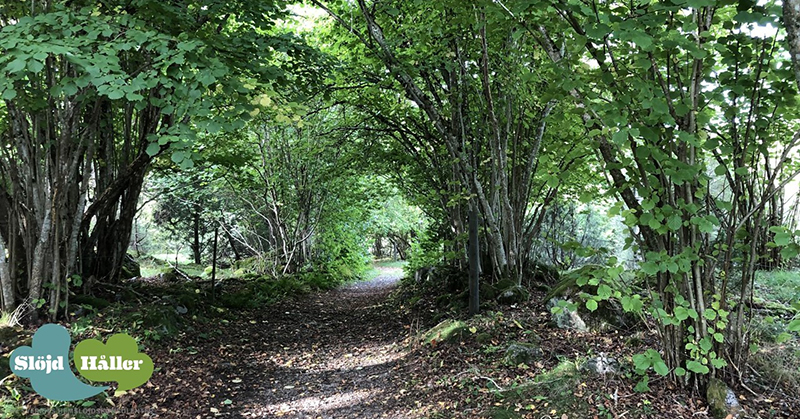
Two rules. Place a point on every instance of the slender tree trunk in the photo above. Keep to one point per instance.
(6, 284)
(196, 235)
(791, 20)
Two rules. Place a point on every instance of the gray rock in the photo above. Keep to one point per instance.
(566, 318)
(513, 295)
(522, 353)
(601, 365)
(722, 402)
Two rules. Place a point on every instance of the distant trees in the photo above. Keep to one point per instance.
(466, 105)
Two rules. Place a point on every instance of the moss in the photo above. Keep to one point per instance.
(445, 331)
(556, 386)
(721, 400)
(5, 369)
(513, 295)
(164, 317)
(90, 300)
(483, 338)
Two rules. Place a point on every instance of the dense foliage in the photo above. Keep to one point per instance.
(655, 140)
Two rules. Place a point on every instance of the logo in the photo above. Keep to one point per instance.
(46, 364)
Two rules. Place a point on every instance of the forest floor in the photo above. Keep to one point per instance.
(357, 351)
(332, 354)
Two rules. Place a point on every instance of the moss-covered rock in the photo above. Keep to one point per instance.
(564, 317)
(130, 268)
(161, 317)
(95, 302)
(447, 330)
(513, 295)
(522, 353)
(544, 274)
(169, 275)
(722, 402)
(609, 314)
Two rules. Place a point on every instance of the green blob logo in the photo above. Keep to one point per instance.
(117, 360)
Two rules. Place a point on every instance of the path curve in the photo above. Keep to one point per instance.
(333, 354)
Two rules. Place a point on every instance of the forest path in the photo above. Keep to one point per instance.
(333, 354)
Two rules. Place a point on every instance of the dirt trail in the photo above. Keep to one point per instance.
(333, 354)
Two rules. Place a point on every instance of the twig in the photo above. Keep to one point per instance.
(6, 378)
(493, 382)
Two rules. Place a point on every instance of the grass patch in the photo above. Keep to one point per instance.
(779, 364)
(550, 391)
(782, 286)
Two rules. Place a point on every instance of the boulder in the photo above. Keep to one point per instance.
(609, 314)
(445, 331)
(566, 318)
(721, 400)
(544, 274)
(514, 294)
(170, 275)
(130, 268)
(522, 353)
(601, 365)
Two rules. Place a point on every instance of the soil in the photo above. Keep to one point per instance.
(334, 354)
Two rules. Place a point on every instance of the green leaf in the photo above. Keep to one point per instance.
(783, 337)
(153, 149)
(16, 66)
(710, 314)
(552, 181)
(790, 252)
(674, 223)
(705, 344)
(9, 94)
(643, 41)
(783, 238)
(660, 368)
(681, 313)
(620, 137)
(591, 305)
(697, 367)
(178, 156)
(116, 94)
(641, 386)
(680, 372)
(650, 268)
(604, 292)
(794, 325)
(719, 363)
(641, 362)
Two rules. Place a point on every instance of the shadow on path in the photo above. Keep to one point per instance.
(334, 354)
